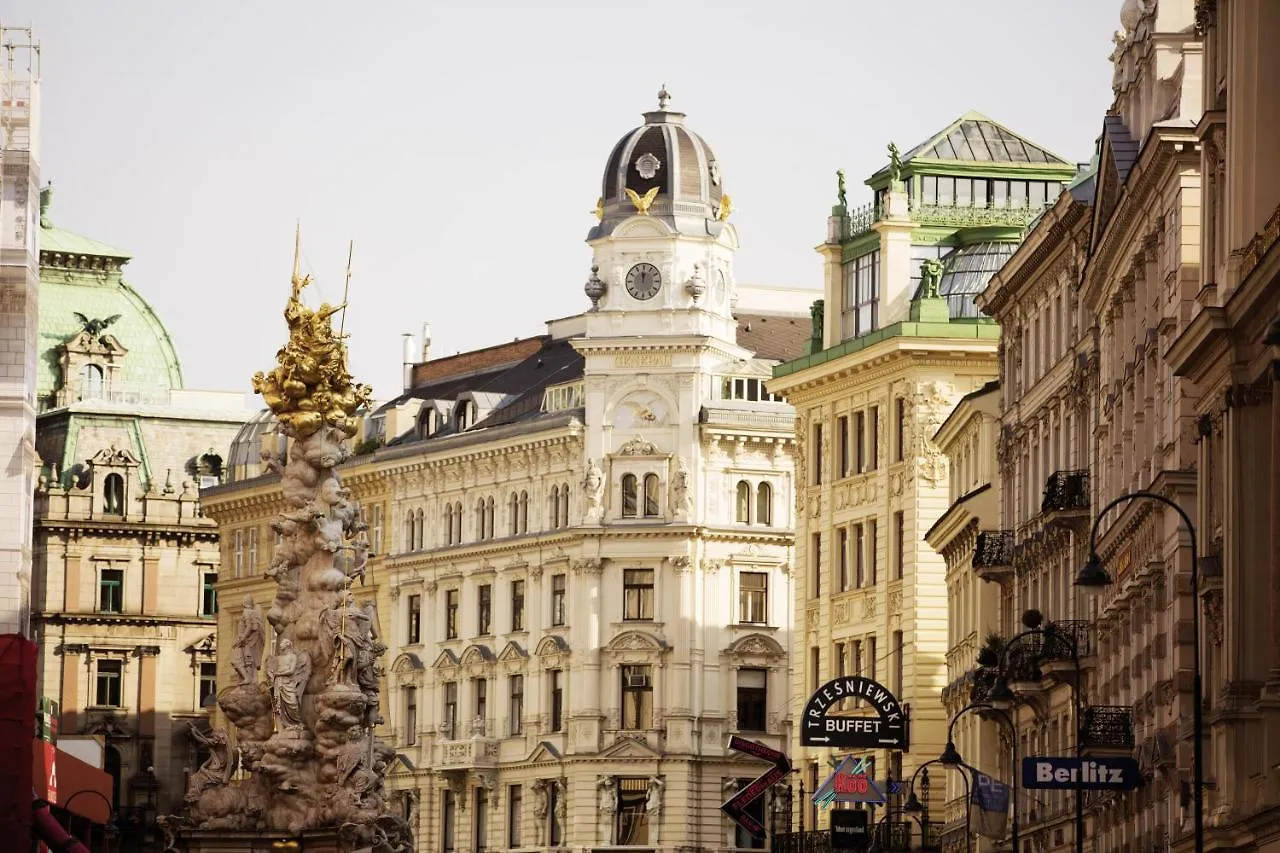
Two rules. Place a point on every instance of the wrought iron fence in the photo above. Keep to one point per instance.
(994, 548)
(810, 841)
(1022, 660)
(1065, 490)
(1062, 636)
(1108, 727)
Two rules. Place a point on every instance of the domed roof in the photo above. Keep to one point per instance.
(664, 157)
(81, 276)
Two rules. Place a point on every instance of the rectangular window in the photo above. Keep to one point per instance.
(517, 605)
(484, 609)
(209, 594)
(1036, 194)
(251, 565)
(814, 658)
(863, 314)
(637, 698)
(964, 192)
(999, 193)
(111, 591)
(516, 714)
(451, 614)
(753, 598)
(897, 663)
(859, 551)
(815, 563)
(410, 716)
(208, 683)
(448, 814)
(871, 657)
(1017, 193)
(873, 445)
(816, 477)
(108, 680)
(557, 600)
(415, 620)
(480, 698)
(838, 653)
(637, 594)
(860, 442)
(929, 189)
(237, 552)
(842, 445)
(856, 657)
(515, 806)
(946, 192)
(752, 700)
(480, 820)
(557, 700)
(375, 544)
(842, 545)
(899, 545)
(633, 816)
(900, 424)
(873, 545)
(450, 709)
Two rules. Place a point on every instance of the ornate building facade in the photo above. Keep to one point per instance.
(902, 343)
(125, 563)
(585, 539)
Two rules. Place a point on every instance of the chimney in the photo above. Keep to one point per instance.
(426, 342)
(407, 360)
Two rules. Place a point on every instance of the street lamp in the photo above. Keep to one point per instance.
(914, 806)
(951, 757)
(1094, 574)
(1000, 692)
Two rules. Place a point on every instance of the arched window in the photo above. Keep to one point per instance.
(564, 504)
(488, 519)
(650, 495)
(629, 496)
(421, 524)
(553, 510)
(408, 531)
(113, 495)
(513, 514)
(743, 503)
(457, 523)
(480, 519)
(524, 512)
(465, 414)
(448, 524)
(91, 382)
(764, 504)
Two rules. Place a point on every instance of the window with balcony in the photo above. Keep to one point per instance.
(752, 700)
(450, 716)
(414, 622)
(480, 698)
(108, 679)
(451, 614)
(111, 591)
(650, 495)
(208, 684)
(557, 699)
(515, 697)
(629, 495)
(557, 600)
(753, 598)
(484, 609)
(553, 508)
(742, 503)
(637, 697)
(209, 594)
(517, 605)
(764, 504)
(410, 715)
(92, 382)
(861, 295)
(637, 594)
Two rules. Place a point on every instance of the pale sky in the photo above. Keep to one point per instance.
(461, 144)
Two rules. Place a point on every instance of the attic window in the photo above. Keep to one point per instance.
(749, 388)
(428, 422)
(113, 495)
(466, 416)
(91, 382)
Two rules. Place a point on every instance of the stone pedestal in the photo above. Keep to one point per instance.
(232, 841)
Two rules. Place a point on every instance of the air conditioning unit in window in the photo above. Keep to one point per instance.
(207, 481)
(634, 680)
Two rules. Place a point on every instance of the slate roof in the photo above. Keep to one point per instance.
(779, 337)
(1124, 148)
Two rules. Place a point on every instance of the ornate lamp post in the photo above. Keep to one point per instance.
(1094, 574)
(914, 806)
(951, 756)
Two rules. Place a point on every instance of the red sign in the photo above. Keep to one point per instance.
(736, 806)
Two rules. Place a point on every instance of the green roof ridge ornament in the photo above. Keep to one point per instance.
(895, 163)
(840, 189)
(46, 200)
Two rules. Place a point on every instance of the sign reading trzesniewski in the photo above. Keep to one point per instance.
(887, 730)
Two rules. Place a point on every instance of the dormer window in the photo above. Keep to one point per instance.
(629, 495)
(113, 495)
(92, 382)
(466, 415)
(428, 422)
(650, 495)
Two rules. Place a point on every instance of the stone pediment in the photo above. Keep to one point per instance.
(638, 641)
(513, 651)
(544, 751)
(401, 765)
(446, 658)
(639, 447)
(756, 645)
(552, 644)
(406, 663)
(112, 457)
(85, 343)
(629, 747)
(477, 653)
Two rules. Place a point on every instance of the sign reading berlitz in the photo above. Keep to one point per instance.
(1089, 774)
(889, 729)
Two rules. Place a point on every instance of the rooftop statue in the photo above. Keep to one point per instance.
(895, 163)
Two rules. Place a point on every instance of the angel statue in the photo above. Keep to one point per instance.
(593, 491)
(288, 671)
(250, 640)
(216, 770)
(95, 328)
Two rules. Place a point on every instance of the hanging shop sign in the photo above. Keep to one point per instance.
(888, 729)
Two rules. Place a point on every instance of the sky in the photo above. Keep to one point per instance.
(461, 144)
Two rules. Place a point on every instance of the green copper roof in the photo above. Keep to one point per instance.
(968, 328)
(82, 275)
(975, 138)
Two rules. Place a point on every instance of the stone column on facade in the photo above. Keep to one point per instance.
(75, 562)
(895, 257)
(148, 656)
(151, 585)
(833, 293)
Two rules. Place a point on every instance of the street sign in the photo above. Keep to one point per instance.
(850, 782)
(736, 806)
(889, 729)
(850, 829)
(1090, 774)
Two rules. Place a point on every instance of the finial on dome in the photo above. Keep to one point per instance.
(663, 97)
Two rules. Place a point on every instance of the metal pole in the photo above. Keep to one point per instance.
(1197, 689)
(1013, 741)
(803, 805)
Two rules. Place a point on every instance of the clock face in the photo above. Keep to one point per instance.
(643, 281)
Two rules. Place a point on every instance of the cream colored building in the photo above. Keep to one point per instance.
(895, 359)
(124, 562)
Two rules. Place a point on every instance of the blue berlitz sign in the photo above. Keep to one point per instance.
(1090, 774)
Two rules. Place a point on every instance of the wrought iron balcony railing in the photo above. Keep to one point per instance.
(1108, 727)
(994, 549)
(1066, 490)
(1064, 634)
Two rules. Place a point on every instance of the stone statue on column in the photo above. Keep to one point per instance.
(246, 655)
(607, 790)
(593, 493)
(653, 806)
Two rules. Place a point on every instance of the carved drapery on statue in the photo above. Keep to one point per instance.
(307, 751)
